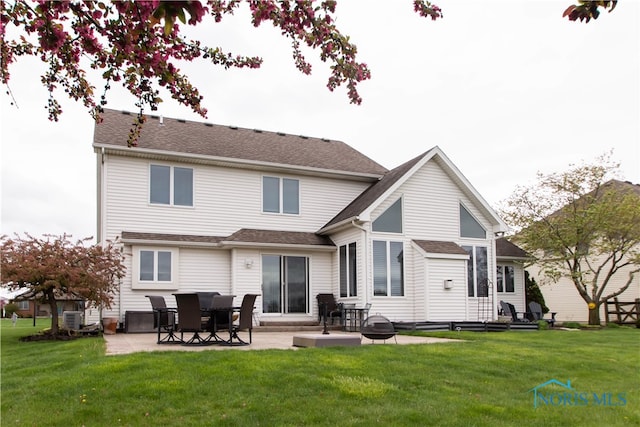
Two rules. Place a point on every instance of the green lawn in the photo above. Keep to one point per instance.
(484, 381)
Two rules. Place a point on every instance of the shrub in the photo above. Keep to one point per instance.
(572, 325)
(10, 308)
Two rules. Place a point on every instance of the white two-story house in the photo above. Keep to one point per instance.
(202, 207)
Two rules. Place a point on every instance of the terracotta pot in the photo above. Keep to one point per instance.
(109, 325)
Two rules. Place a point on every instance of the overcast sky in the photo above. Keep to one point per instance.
(505, 88)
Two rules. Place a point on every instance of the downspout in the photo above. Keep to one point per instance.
(365, 259)
(494, 278)
(232, 273)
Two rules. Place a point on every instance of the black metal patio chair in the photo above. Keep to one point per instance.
(190, 320)
(245, 321)
(164, 320)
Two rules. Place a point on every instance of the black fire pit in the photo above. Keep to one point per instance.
(378, 327)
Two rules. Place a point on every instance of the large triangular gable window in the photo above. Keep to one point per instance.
(469, 227)
(391, 220)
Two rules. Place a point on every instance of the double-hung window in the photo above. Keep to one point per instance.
(505, 278)
(155, 268)
(170, 185)
(280, 195)
(348, 271)
(477, 271)
(388, 268)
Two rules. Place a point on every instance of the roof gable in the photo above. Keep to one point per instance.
(368, 200)
(230, 143)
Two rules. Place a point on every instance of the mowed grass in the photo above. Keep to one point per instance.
(486, 380)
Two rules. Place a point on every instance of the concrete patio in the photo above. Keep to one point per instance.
(122, 343)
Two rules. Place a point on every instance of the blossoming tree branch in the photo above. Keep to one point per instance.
(138, 43)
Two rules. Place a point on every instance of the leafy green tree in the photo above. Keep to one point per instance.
(582, 226)
(53, 267)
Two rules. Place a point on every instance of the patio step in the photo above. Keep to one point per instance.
(271, 326)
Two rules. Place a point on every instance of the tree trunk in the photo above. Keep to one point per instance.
(594, 316)
(54, 315)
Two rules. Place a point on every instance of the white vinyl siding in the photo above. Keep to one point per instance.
(445, 304)
(431, 211)
(218, 210)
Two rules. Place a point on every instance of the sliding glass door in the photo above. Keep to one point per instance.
(285, 284)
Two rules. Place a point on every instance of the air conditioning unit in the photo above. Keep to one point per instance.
(71, 320)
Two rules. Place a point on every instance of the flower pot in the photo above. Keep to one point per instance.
(109, 325)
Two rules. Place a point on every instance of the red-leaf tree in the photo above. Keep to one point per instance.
(586, 10)
(138, 44)
(53, 267)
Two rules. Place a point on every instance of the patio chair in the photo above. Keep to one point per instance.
(206, 299)
(510, 310)
(164, 319)
(333, 309)
(189, 319)
(245, 321)
(536, 311)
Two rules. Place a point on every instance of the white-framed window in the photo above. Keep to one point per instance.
(388, 268)
(348, 270)
(505, 281)
(280, 195)
(170, 185)
(23, 305)
(469, 226)
(155, 268)
(390, 221)
(477, 271)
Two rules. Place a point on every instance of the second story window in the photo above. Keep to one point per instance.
(280, 195)
(469, 226)
(390, 221)
(170, 185)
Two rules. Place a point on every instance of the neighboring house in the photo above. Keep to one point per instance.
(562, 297)
(201, 207)
(28, 304)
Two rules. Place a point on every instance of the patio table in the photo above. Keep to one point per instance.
(353, 317)
(214, 330)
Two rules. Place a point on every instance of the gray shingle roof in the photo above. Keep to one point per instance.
(440, 247)
(279, 237)
(506, 249)
(165, 237)
(371, 194)
(229, 142)
(241, 236)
